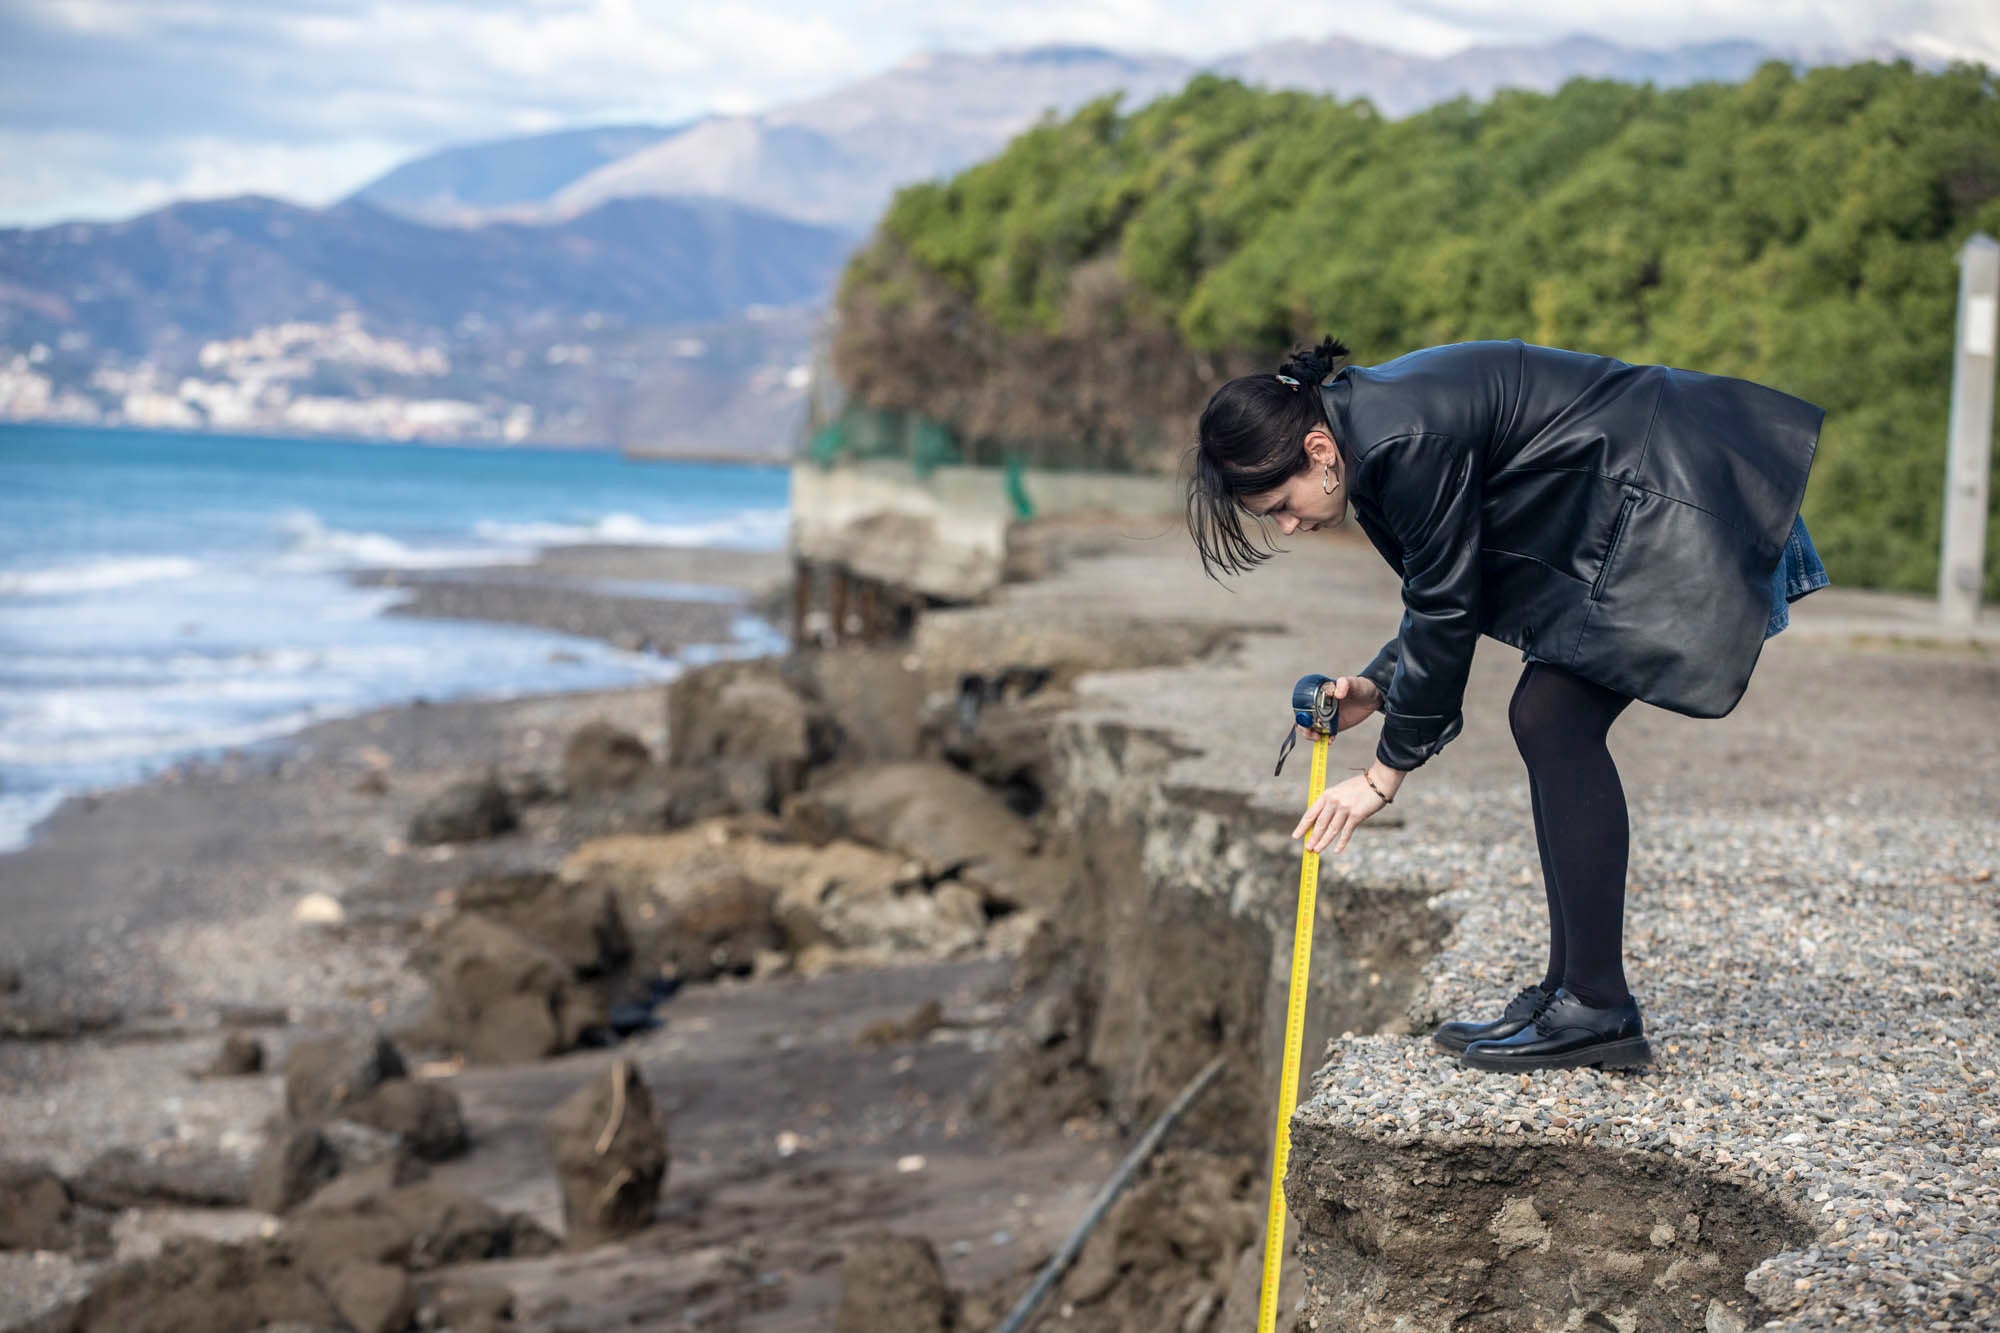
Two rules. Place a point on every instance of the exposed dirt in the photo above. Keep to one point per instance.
(1446, 1236)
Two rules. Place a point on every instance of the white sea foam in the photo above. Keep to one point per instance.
(314, 545)
(754, 529)
(76, 747)
(95, 575)
(262, 662)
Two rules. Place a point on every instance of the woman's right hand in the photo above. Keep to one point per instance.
(1359, 697)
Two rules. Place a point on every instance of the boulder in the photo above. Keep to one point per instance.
(416, 1227)
(948, 820)
(610, 1152)
(372, 1298)
(497, 996)
(425, 1117)
(326, 1075)
(194, 1286)
(466, 812)
(685, 896)
(689, 907)
(744, 730)
(305, 1161)
(877, 694)
(601, 757)
(894, 1284)
(718, 927)
(37, 1212)
(239, 1055)
(181, 1175)
(945, 921)
(296, 1161)
(578, 923)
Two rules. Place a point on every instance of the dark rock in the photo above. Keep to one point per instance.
(37, 1212)
(879, 696)
(326, 1075)
(353, 1187)
(601, 757)
(719, 927)
(466, 812)
(373, 1298)
(198, 1286)
(425, 1116)
(919, 1023)
(893, 1284)
(417, 1227)
(296, 1161)
(747, 714)
(501, 998)
(578, 923)
(180, 1176)
(238, 1056)
(31, 1023)
(611, 1156)
(948, 820)
(530, 787)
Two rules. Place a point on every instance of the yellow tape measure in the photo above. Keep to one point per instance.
(1288, 1078)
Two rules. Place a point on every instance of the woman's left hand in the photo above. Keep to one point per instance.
(1336, 813)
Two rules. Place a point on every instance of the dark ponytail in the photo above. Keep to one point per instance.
(1252, 438)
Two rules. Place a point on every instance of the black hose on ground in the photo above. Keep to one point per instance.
(1045, 1281)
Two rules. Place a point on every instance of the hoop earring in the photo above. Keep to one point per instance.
(1326, 477)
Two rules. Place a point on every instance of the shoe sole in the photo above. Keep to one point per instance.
(1630, 1053)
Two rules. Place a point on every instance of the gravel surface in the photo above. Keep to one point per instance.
(1813, 912)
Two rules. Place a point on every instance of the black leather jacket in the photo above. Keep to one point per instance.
(1619, 521)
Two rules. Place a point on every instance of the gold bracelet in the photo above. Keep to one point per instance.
(1386, 800)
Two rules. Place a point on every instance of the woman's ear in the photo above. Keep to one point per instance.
(1319, 447)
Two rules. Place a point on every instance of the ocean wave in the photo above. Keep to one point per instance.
(752, 529)
(332, 658)
(151, 744)
(96, 575)
(314, 545)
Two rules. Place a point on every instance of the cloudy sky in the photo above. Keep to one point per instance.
(109, 107)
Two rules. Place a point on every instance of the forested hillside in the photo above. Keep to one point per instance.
(1076, 298)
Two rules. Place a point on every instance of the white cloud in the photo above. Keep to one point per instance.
(110, 105)
(48, 178)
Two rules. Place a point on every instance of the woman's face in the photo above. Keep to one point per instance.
(1302, 501)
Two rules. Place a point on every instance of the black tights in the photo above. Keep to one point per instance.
(1560, 722)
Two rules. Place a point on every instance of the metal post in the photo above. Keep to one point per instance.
(1962, 559)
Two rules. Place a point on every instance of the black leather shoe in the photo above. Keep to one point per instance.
(1520, 1011)
(1569, 1034)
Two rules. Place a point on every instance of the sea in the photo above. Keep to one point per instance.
(165, 596)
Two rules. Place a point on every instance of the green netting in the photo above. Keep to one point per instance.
(926, 443)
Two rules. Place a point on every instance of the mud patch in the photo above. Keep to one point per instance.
(1437, 1235)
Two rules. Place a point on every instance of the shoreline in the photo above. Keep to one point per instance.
(720, 610)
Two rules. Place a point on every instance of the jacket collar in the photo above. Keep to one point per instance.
(1333, 396)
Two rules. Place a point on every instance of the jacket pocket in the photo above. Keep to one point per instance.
(1611, 547)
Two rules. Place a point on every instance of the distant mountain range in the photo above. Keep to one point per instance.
(216, 269)
(837, 158)
(467, 184)
(580, 255)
